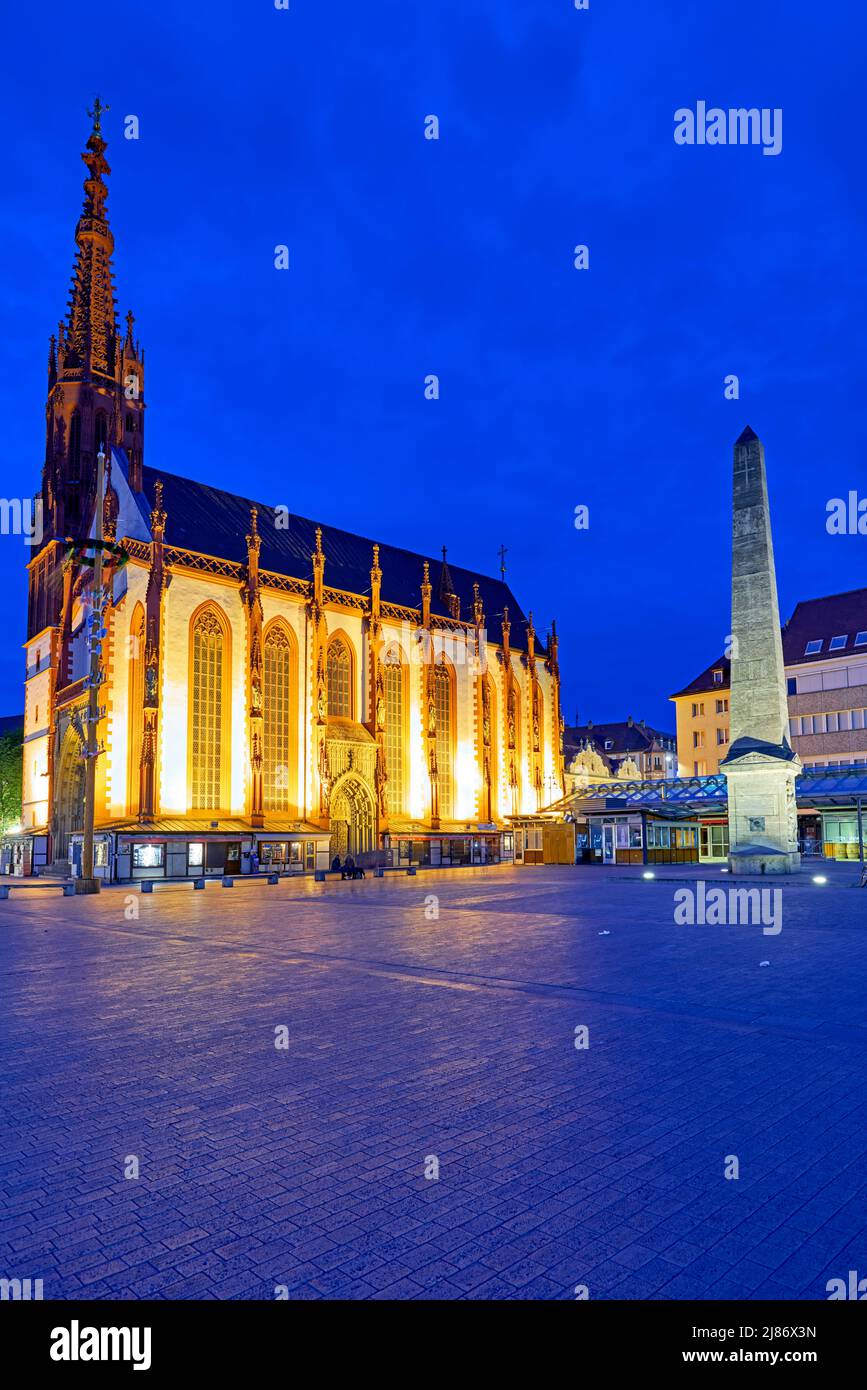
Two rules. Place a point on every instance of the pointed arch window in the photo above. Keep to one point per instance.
(339, 671)
(75, 446)
(444, 704)
(209, 713)
(279, 706)
(395, 730)
(100, 431)
(135, 707)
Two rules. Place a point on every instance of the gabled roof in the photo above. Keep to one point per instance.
(214, 522)
(625, 736)
(814, 620)
(821, 619)
(705, 682)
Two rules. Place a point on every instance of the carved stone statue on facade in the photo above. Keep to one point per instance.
(321, 690)
(150, 683)
(381, 780)
(324, 776)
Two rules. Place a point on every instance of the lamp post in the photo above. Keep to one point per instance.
(88, 883)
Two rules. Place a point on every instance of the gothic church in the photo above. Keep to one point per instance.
(271, 689)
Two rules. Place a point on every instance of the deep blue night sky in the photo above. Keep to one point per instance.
(408, 257)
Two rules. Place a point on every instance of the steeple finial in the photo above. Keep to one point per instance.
(158, 513)
(318, 558)
(96, 115)
(447, 588)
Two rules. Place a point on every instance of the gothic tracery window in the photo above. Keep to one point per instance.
(444, 739)
(277, 765)
(393, 678)
(208, 734)
(135, 706)
(339, 679)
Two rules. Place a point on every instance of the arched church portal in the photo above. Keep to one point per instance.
(352, 818)
(70, 794)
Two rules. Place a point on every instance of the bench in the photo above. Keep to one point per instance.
(68, 886)
(227, 880)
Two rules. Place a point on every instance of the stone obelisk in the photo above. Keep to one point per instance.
(760, 766)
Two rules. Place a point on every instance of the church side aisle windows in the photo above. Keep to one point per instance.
(135, 707)
(394, 731)
(208, 717)
(278, 715)
(339, 679)
(445, 739)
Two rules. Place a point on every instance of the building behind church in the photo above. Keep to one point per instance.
(271, 687)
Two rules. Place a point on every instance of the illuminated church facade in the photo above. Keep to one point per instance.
(271, 688)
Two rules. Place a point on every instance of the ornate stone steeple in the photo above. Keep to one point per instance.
(95, 377)
(91, 337)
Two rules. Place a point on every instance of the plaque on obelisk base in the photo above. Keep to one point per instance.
(760, 766)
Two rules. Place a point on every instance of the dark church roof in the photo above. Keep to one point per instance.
(213, 522)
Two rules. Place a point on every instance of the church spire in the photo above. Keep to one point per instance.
(91, 322)
(95, 375)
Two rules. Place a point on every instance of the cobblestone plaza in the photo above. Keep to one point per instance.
(430, 1129)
